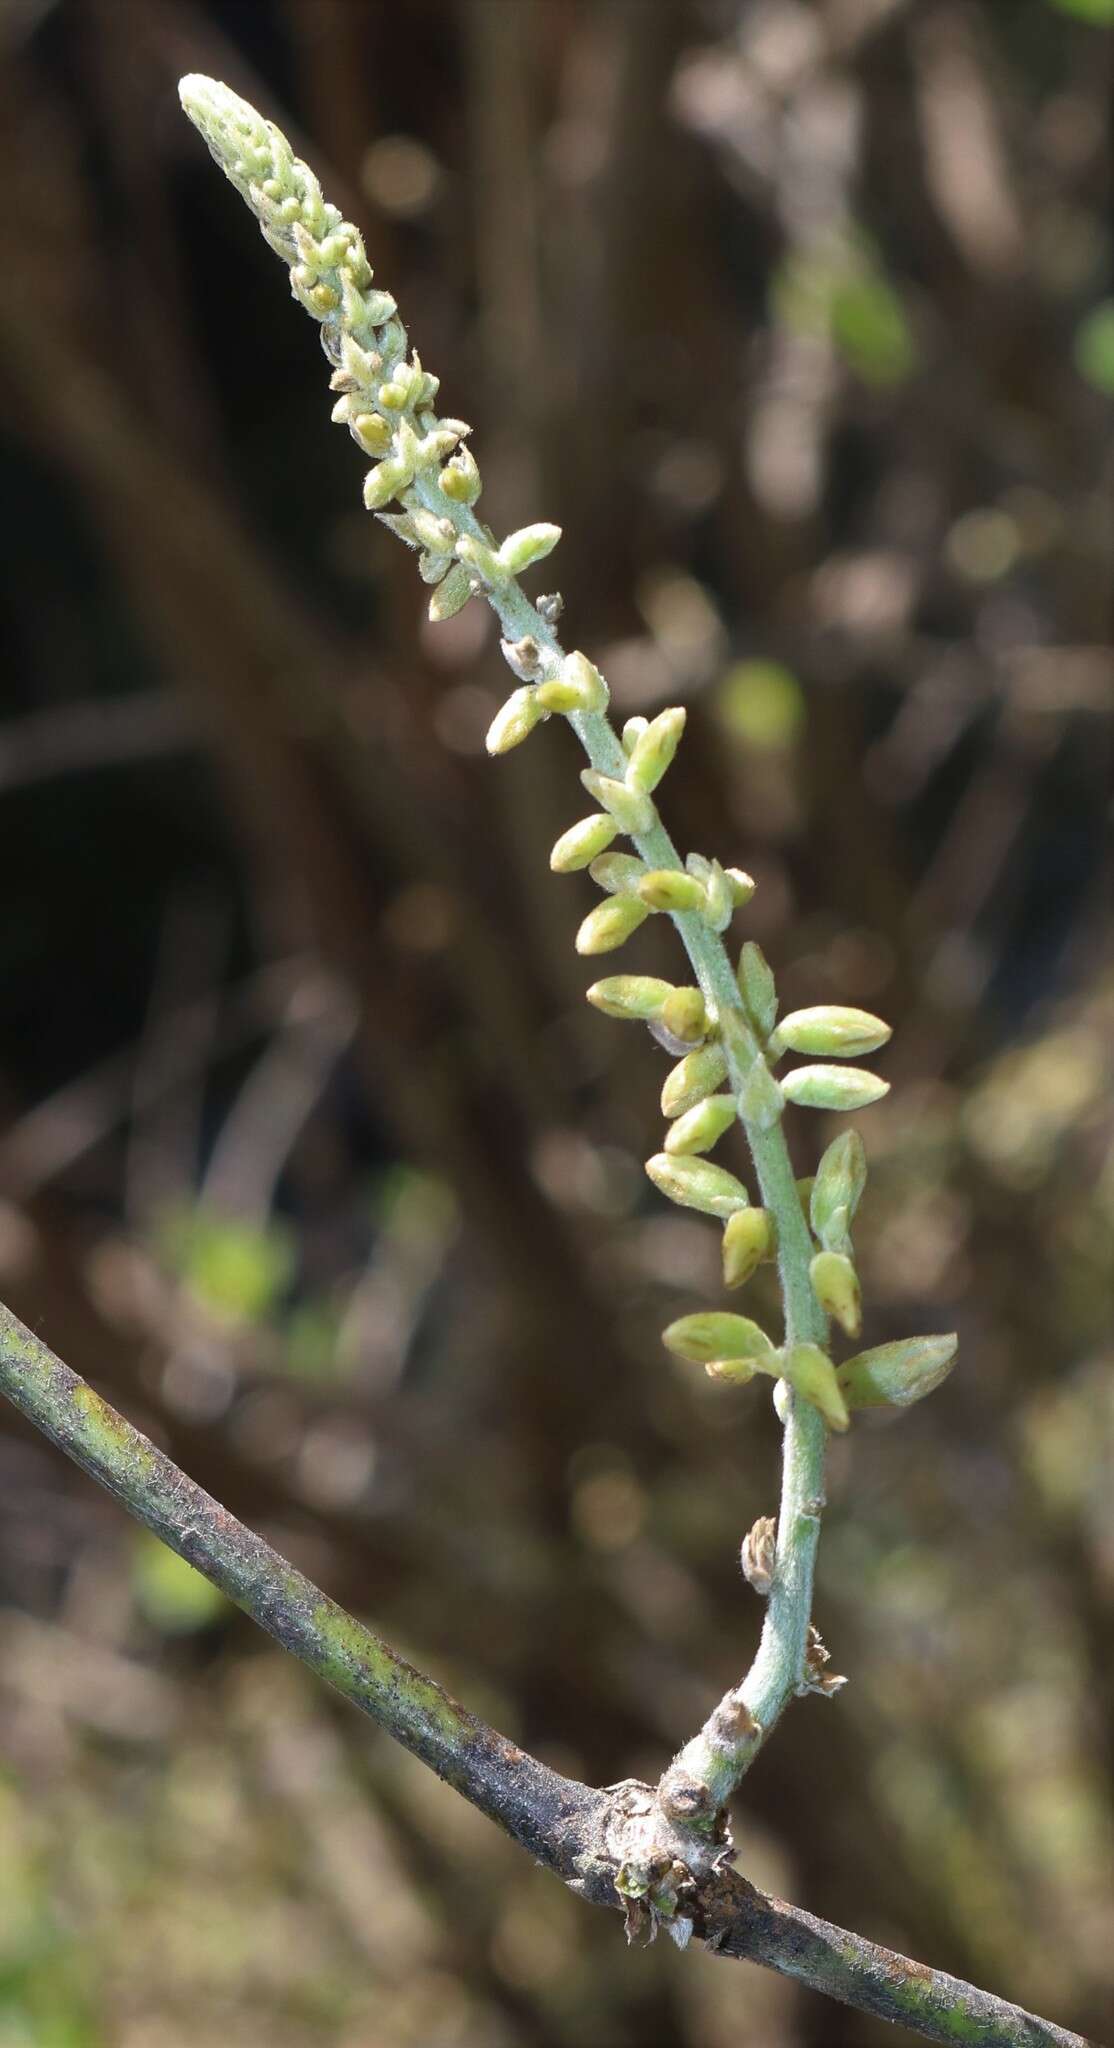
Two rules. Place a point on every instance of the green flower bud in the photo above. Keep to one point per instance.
(833, 1029)
(760, 1098)
(632, 733)
(631, 809)
(840, 1180)
(717, 1334)
(697, 1184)
(756, 986)
(610, 924)
(482, 558)
(579, 687)
(701, 1128)
(736, 1372)
(385, 481)
(438, 535)
(618, 873)
(719, 900)
(697, 1075)
(684, 1014)
(654, 749)
(747, 1240)
(672, 890)
(460, 478)
(529, 544)
(631, 995)
(741, 884)
(578, 847)
(514, 722)
(811, 1374)
(835, 1284)
(896, 1375)
(371, 432)
(838, 1088)
(452, 594)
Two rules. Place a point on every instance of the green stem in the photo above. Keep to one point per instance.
(776, 1674)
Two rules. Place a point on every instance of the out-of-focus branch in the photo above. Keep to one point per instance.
(577, 1831)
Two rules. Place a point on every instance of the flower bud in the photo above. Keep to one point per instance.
(696, 1184)
(837, 1088)
(460, 478)
(371, 432)
(756, 986)
(840, 1180)
(760, 1098)
(482, 558)
(747, 1240)
(632, 733)
(514, 722)
(631, 809)
(384, 482)
(741, 884)
(579, 687)
(618, 873)
(697, 1075)
(670, 889)
(896, 1375)
(719, 900)
(684, 1015)
(630, 995)
(716, 1333)
(736, 1372)
(835, 1284)
(811, 1374)
(701, 1128)
(452, 593)
(529, 544)
(833, 1029)
(610, 924)
(578, 847)
(654, 749)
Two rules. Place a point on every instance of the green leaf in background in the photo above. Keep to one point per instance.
(238, 1269)
(167, 1590)
(1093, 345)
(762, 704)
(1100, 13)
(871, 332)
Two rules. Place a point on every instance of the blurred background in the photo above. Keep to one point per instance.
(799, 320)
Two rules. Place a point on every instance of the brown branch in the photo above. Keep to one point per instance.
(588, 1837)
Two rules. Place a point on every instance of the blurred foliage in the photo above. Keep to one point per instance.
(315, 1158)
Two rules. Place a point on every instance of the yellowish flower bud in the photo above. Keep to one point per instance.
(896, 1375)
(385, 481)
(835, 1284)
(701, 1128)
(654, 749)
(460, 478)
(618, 873)
(840, 1180)
(631, 995)
(514, 722)
(578, 847)
(832, 1029)
(697, 1075)
(747, 1240)
(670, 889)
(631, 809)
(372, 433)
(610, 924)
(741, 884)
(836, 1088)
(735, 1372)
(697, 1184)
(452, 594)
(632, 733)
(579, 687)
(529, 544)
(811, 1374)
(718, 1334)
(684, 1014)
